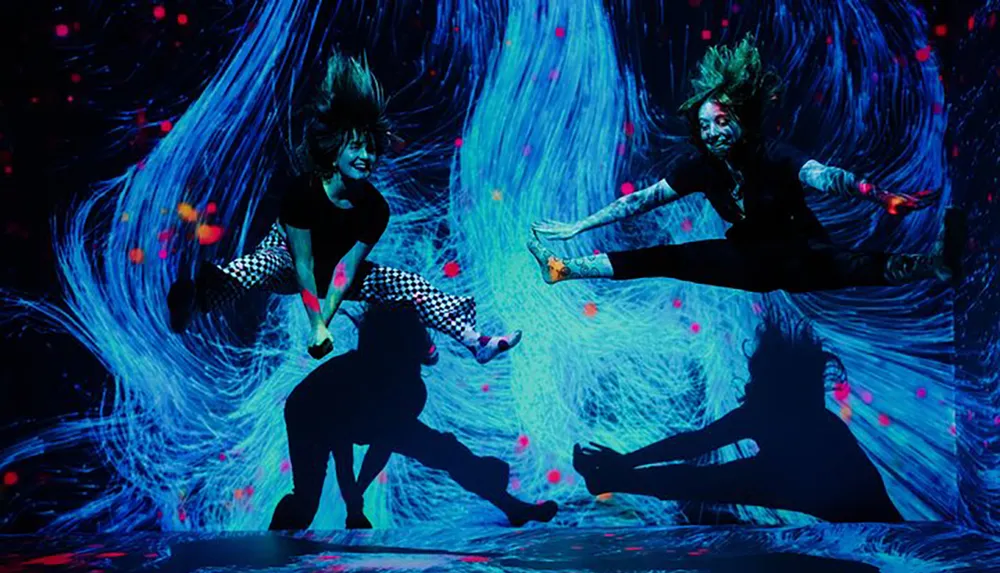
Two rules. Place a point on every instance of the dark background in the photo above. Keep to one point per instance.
(81, 107)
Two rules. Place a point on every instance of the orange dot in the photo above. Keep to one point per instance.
(604, 497)
(137, 256)
(590, 309)
(209, 234)
(187, 212)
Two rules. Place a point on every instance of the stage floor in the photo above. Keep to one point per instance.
(815, 549)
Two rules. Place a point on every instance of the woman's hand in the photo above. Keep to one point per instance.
(321, 342)
(556, 230)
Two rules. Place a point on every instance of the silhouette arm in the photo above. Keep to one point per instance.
(374, 462)
(726, 430)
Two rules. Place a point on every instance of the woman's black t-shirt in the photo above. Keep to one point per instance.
(334, 230)
(774, 206)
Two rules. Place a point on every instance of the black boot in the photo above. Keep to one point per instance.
(181, 300)
(944, 263)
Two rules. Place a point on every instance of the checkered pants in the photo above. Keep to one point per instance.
(269, 268)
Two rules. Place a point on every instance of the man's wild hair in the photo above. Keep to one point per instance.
(737, 79)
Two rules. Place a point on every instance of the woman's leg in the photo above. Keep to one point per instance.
(447, 313)
(268, 267)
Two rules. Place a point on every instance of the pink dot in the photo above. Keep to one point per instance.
(867, 397)
(677, 303)
(162, 254)
(526, 151)
(285, 466)
(166, 126)
(695, 328)
(560, 32)
(921, 393)
(706, 35)
(69, 99)
(75, 78)
(724, 23)
(62, 30)
(182, 19)
(923, 54)
(452, 269)
(629, 128)
(458, 142)
(554, 476)
(515, 484)
(222, 457)
(841, 391)
(953, 430)
(485, 387)
(756, 308)
(883, 419)
(621, 150)
(159, 12)
(383, 477)
(554, 75)
(522, 441)
(628, 188)
(687, 225)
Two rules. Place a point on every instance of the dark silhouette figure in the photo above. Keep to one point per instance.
(808, 461)
(373, 396)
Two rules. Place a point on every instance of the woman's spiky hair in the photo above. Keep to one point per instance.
(350, 101)
(737, 79)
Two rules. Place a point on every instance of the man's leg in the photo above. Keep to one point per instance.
(486, 477)
(308, 455)
(453, 315)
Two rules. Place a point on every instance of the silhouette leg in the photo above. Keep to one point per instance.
(308, 455)
(486, 477)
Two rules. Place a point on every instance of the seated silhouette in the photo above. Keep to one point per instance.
(373, 396)
(808, 460)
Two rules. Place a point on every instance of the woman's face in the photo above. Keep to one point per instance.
(357, 157)
(718, 128)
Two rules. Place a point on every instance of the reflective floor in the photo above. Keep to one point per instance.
(931, 547)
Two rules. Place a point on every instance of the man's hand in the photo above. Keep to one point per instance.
(556, 230)
(321, 342)
(895, 203)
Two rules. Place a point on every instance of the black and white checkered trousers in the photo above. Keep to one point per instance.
(270, 268)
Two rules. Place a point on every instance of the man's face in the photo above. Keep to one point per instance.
(718, 128)
(357, 157)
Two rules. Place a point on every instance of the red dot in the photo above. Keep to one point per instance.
(883, 419)
(62, 30)
(706, 34)
(10, 478)
(694, 3)
(941, 30)
(166, 125)
(560, 32)
(452, 269)
(554, 476)
(522, 441)
(725, 23)
(923, 54)
(182, 19)
(921, 393)
(829, 40)
(75, 78)
(458, 142)
(972, 23)
(695, 328)
(628, 188)
(629, 128)
(159, 12)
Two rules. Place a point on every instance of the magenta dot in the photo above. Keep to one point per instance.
(62, 30)
(560, 32)
(687, 225)
(677, 303)
(628, 188)
(867, 397)
(996, 421)
(706, 35)
(458, 142)
(696, 328)
(883, 419)
(554, 476)
(621, 150)
(921, 392)
(757, 308)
